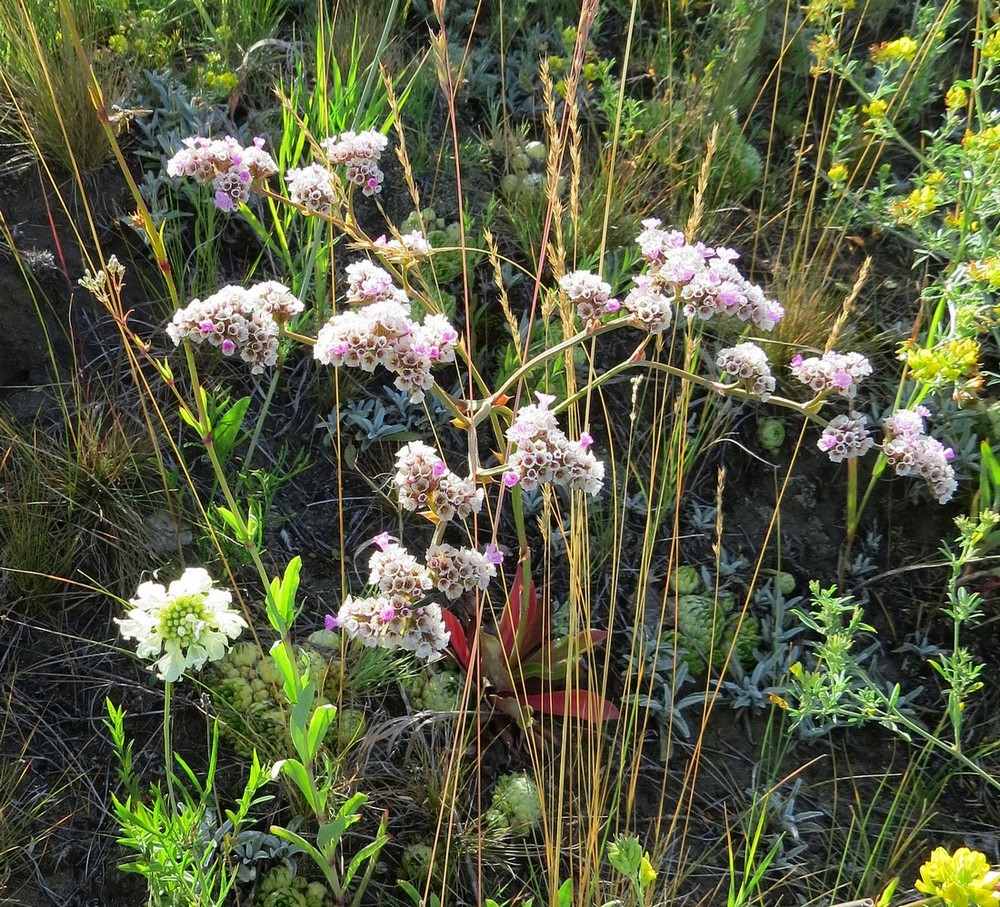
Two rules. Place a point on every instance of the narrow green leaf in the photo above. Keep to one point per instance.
(191, 420)
(298, 722)
(319, 724)
(296, 771)
(228, 425)
(368, 852)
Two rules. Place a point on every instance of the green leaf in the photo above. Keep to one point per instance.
(192, 420)
(417, 897)
(368, 852)
(227, 427)
(230, 519)
(292, 838)
(283, 662)
(281, 597)
(295, 770)
(319, 724)
(298, 722)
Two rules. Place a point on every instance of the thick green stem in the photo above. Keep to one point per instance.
(853, 514)
(168, 748)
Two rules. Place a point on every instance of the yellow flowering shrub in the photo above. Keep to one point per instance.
(946, 362)
(901, 50)
(961, 879)
(919, 203)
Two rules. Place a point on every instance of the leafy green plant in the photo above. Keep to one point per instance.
(181, 851)
(312, 771)
(838, 691)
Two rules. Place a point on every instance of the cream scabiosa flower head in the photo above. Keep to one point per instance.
(182, 626)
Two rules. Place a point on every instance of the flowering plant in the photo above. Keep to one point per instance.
(960, 879)
(182, 626)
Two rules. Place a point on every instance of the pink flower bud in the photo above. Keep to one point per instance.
(510, 479)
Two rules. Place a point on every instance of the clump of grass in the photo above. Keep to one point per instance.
(75, 504)
(44, 86)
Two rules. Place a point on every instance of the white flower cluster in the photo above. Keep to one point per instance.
(846, 437)
(182, 626)
(703, 279)
(394, 623)
(460, 570)
(840, 372)
(367, 282)
(748, 362)
(238, 320)
(312, 188)
(424, 482)
(382, 333)
(233, 171)
(590, 294)
(409, 246)
(399, 616)
(651, 309)
(544, 454)
(397, 572)
(360, 153)
(912, 453)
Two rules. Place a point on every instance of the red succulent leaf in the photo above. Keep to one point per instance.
(458, 642)
(578, 703)
(520, 628)
(510, 620)
(533, 631)
(553, 662)
(530, 632)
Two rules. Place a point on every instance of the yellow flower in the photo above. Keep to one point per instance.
(956, 98)
(961, 879)
(919, 203)
(818, 10)
(985, 141)
(838, 172)
(991, 46)
(876, 109)
(823, 49)
(986, 270)
(889, 52)
(944, 363)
